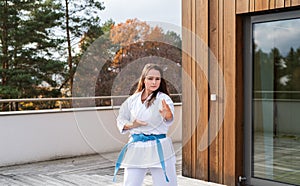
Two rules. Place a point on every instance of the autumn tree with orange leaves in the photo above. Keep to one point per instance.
(139, 43)
(133, 31)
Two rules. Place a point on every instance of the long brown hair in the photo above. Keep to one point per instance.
(141, 85)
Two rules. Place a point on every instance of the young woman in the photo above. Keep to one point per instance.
(147, 115)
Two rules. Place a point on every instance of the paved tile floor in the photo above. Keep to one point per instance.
(82, 171)
(277, 158)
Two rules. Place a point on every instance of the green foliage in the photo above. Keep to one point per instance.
(26, 47)
(285, 70)
(173, 38)
(33, 44)
(80, 17)
(28, 62)
(43, 41)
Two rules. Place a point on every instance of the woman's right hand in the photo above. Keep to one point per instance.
(136, 123)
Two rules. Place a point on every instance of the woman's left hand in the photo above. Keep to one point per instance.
(165, 112)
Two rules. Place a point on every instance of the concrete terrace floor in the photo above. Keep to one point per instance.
(82, 171)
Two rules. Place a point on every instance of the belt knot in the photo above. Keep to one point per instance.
(143, 137)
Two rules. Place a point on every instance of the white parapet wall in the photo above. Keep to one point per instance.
(33, 136)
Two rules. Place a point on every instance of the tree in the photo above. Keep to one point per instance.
(28, 62)
(282, 70)
(173, 38)
(95, 49)
(93, 33)
(80, 16)
(293, 70)
(38, 44)
(139, 44)
(129, 32)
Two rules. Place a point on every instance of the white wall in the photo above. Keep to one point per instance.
(39, 136)
(288, 117)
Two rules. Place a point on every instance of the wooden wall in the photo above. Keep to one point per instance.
(245, 6)
(218, 24)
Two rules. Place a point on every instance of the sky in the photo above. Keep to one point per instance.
(167, 12)
(280, 34)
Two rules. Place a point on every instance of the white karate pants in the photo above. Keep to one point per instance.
(135, 176)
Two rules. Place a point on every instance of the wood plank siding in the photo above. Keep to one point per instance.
(212, 30)
(187, 86)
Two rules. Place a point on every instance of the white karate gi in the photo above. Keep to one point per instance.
(143, 156)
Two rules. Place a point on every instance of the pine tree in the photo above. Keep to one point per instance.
(29, 64)
(80, 16)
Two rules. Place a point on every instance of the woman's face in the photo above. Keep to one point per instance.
(152, 80)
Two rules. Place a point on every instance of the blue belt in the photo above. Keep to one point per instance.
(143, 138)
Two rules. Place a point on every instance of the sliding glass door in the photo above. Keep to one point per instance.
(272, 99)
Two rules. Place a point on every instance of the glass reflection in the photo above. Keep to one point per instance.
(276, 101)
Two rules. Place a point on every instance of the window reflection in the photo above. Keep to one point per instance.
(277, 48)
(276, 101)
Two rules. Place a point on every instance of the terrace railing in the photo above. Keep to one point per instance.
(105, 102)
